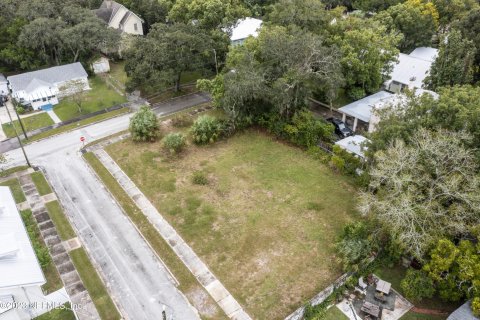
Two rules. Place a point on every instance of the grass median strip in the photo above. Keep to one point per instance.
(188, 283)
(7, 172)
(60, 221)
(16, 189)
(42, 185)
(80, 123)
(91, 280)
(48, 267)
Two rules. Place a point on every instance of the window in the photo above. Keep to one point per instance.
(135, 27)
(44, 99)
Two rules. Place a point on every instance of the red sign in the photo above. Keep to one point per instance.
(82, 139)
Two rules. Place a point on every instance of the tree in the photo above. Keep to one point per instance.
(152, 11)
(374, 5)
(450, 10)
(75, 91)
(410, 17)
(167, 52)
(455, 109)
(417, 285)
(368, 53)
(310, 15)
(454, 64)
(425, 190)
(144, 125)
(275, 72)
(455, 270)
(208, 14)
(469, 26)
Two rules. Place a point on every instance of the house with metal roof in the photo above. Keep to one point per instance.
(464, 312)
(42, 89)
(118, 17)
(366, 110)
(244, 28)
(21, 276)
(411, 69)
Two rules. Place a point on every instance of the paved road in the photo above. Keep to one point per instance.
(139, 282)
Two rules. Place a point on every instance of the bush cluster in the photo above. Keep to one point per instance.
(344, 161)
(144, 125)
(206, 129)
(174, 142)
(41, 251)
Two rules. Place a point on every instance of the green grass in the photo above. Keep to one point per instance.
(253, 224)
(117, 72)
(7, 172)
(333, 313)
(54, 282)
(94, 285)
(78, 124)
(42, 185)
(16, 189)
(64, 313)
(64, 229)
(30, 123)
(188, 283)
(99, 97)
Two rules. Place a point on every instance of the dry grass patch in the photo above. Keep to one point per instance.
(265, 222)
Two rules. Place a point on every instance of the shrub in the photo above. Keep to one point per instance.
(174, 142)
(476, 306)
(356, 93)
(345, 161)
(305, 130)
(354, 246)
(144, 125)
(21, 110)
(199, 178)
(205, 129)
(417, 285)
(182, 121)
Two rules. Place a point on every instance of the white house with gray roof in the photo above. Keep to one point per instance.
(21, 276)
(118, 17)
(42, 89)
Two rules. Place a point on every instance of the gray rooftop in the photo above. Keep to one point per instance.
(362, 109)
(464, 312)
(26, 81)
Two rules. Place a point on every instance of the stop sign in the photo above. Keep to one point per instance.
(82, 139)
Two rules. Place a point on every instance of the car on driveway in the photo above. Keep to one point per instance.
(341, 128)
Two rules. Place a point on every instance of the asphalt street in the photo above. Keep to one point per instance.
(138, 281)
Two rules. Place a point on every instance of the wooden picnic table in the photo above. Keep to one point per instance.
(371, 309)
(384, 286)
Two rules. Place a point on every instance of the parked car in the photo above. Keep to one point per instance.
(341, 128)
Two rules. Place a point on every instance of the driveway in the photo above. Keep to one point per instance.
(136, 278)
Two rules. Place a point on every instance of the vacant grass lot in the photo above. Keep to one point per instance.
(99, 97)
(266, 221)
(58, 314)
(30, 123)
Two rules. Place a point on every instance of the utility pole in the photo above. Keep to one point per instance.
(18, 138)
(14, 103)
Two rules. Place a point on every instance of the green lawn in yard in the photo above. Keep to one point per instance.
(50, 272)
(30, 123)
(78, 124)
(253, 224)
(333, 313)
(188, 284)
(58, 314)
(42, 185)
(64, 229)
(16, 189)
(94, 285)
(117, 72)
(99, 97)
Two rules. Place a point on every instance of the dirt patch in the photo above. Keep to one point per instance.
(203, 303)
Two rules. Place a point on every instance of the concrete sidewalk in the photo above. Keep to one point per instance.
(196, 266)
(54, 116)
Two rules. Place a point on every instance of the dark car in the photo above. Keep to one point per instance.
(341, 128)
